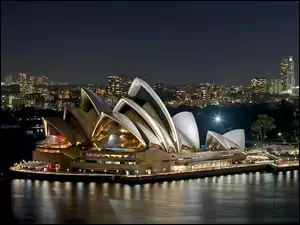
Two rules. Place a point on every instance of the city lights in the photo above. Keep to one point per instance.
(150, 112)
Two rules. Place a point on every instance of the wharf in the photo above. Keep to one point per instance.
(133, 179)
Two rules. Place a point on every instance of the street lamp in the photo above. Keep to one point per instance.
(279, 134)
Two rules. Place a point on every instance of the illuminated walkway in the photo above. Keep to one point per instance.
(17, 169)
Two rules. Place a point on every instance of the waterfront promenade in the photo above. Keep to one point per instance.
(75, 176)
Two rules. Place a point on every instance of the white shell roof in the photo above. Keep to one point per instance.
(224, 141)
(150, 121)
(187, 128)
(237, 136)
(133, 91)
(83, 119)
(67, 130)
(151, 137)
(124, 121)
(99, 104)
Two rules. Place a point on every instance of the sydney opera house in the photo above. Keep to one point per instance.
(137, 136)
(234, 139)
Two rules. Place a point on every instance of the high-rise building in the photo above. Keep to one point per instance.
(274, 86)
(291, 73)
(126, 82)
(63, 94)
(42, 80)
(8, 80)
(259, 85)
(22, 82)
(283, 73)
(36, 83)
(115, 89)
(287, 74)
(115, 86)
(42, 84)
(31, 85)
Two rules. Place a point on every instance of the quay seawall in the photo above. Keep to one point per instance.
(88, 177)
(282, 169)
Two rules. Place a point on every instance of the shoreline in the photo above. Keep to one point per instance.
(87, 177)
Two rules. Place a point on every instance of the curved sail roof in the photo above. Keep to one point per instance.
(99, 104)
(237, 136)
(149, 109)
(184, 140)
(144, 128)
(83, 119)
(124, 121)
(140, 89)
(149, 134)
(150, 121)
(225, 142)
(143, 114)
(187, 128)
(67, 130)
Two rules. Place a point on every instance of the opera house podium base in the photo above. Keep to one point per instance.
(137, 139)
(139, 179)
(75, 159)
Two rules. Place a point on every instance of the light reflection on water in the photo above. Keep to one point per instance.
(244, 198)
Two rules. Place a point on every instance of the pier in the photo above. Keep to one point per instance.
(138, 179)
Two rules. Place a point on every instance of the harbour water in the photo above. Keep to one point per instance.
(244, 198)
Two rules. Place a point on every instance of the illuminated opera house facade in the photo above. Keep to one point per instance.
(137, 136)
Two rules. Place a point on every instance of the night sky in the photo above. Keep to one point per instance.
(170, 42)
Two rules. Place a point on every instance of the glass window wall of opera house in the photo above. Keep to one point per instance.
(137, 136)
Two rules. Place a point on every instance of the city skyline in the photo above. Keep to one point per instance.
(24, 77)
(89, 47)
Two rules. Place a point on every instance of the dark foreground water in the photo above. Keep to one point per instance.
(244, 198)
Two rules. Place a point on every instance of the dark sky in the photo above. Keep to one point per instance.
(170, 42)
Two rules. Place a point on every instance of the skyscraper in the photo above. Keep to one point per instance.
(125, 83)
(274, 86)
(31, 85)
(42, 84)
(287, 74)
(283, 73)
(23, 83)
(291, 73)
(114, 86)
(114, 90)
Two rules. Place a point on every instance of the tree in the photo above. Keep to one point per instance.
(263, 125)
